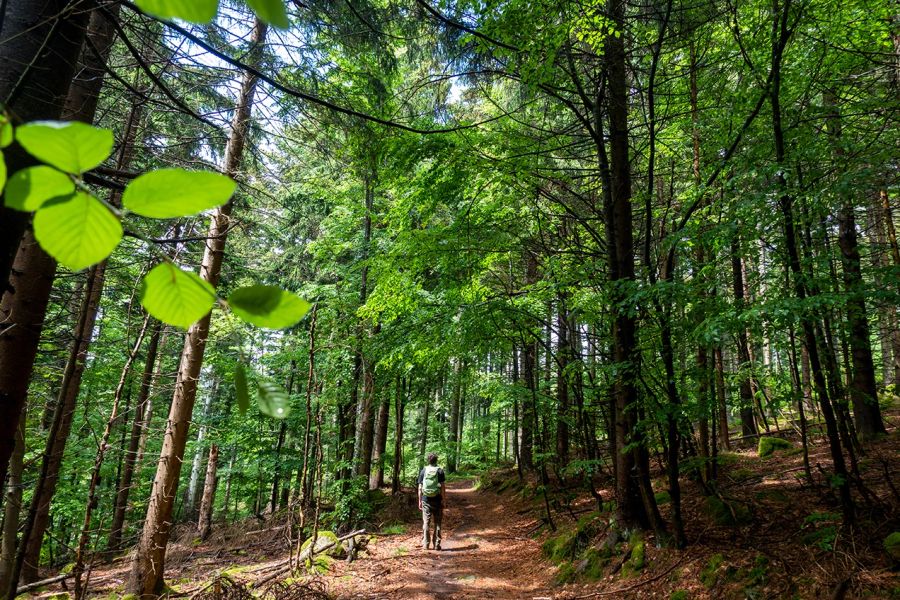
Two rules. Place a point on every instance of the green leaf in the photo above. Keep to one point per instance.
(2, 171)
(6, 131)
(69, 146)
(29, 188)
(268, 306)
(240, 388)
(170, 193)
(77, 230)
(176, 297)
(271, 11)
(273, 401)
(195, 11)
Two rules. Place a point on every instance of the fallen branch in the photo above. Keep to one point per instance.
(39, 584)
(285, 566)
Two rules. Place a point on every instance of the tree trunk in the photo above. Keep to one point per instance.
(454, 416)
(423, 441)
(204, 526)
(12, 507)
(529, 357)
(399, 405)
(376, 479)
(36, 77)
(866, 411)
(748, 423)
(78, 568)
(781, 34)
(724, 437)
(563, 352)
(147, 567)
(138, 424)
(39, 44)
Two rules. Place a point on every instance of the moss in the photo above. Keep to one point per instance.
(726, 459)
(321, 565)
(324, 538)
(592, 563)
(565, 574)
(568, 544)
(663, 498)
(768, 446)
(638, 559)
(709, 575)
(741, 474)
(679, 595)
(892, 546)
(726, 514)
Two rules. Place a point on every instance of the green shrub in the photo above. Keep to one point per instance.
(663, 497)
(768, 446)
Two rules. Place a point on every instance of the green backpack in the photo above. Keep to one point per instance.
(430, 485)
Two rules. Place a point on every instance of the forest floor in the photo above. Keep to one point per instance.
(776, 536)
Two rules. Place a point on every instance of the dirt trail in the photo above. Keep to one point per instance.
(486, 554)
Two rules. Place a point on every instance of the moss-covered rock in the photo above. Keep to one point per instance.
(568, 544)
(593, 562)
(768, 446)
(637, 559)
(725, 513)
(892, 546)
(323, 540)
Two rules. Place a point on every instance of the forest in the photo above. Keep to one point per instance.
(630, 268)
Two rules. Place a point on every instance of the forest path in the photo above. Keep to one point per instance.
(485, 554)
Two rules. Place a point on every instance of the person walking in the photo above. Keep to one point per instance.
(431, 500)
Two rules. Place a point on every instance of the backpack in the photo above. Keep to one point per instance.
(431, 487)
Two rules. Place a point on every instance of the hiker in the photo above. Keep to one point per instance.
(431, 497)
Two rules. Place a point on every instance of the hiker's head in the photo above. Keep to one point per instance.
(432, 458)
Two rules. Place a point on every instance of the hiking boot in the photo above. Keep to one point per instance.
(437, 546)
(426, 546)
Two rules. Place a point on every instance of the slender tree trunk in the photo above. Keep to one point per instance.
(399, 405)
(748, 423)
(563, 351)
(78, 568)
(362, 464)
(204, 526)
(12, 507)
(376, 479)
(863, 394)
(452, 436)
(138, 424)
(279, 445)
(147, 567)
(423, 441)
(529, 357)
(724, 438)
(781, 34)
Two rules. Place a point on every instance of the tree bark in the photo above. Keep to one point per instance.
(148, 563)
(399, 405)
(39, 44)
(138, 423)
(748, 422)
(376, 479)
(43, 39)
(12, 507)
(454, 416)
(204, 526)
